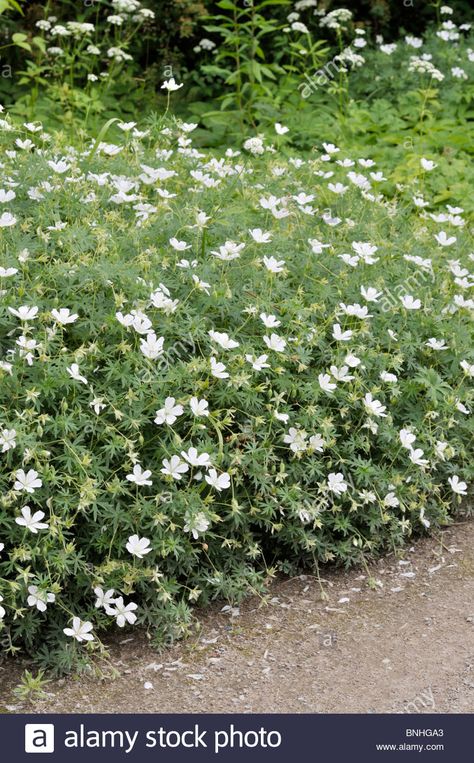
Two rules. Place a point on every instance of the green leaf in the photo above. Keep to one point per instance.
(227, 5)
(9, 5)
(40, 43)
(102, 134)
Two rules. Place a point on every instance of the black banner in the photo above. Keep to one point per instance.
(221, 738)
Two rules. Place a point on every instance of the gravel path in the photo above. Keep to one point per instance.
(406, 645)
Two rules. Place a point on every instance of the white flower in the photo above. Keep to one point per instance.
(140, 322)
(444, 240)
(199, 407)
(352, 360)
(370, 294)
(274, 265)
(73, 371)
(259, 236)
(152, 347)
(416, 457)
(97, 404)
(195, 524)
(340, 374)
(349, 259)
(64, 316)
(423, 520)
(280, 129)
(458, 73)
(338, 188)
(355, 310)
(257, 363)
(27, 347)
(218, 481)
(298, 26)
(218, 370)
(336, 483)
(124, 614)
(6, 196)
(223, 340)
(7, 272)
(31, 521)
(366, 251)
(169, 413)
(228, 251)
(195, 459)
(440, 449)
(201, 285)
(27, 482)
(59, 166)
(420, 202)
(170, 85)
(138, 546)
(325, 383)
(436, 344)
(32, 126)
(201, 220)
(317, 246)
(407, 438)
(457, 485)
(174, 467)
(374, 407)
(140, 476)
(296, 439)
(303, 198)
(427, 164)
(39, 599)
(104, 598)
(391, 500)
(2, 610)
(330, 148)
(254, 146)
(316, 442)
(126, 126)
(7, 220)
(7, 439)
(340, 335)
(270, 321)
(118, 55)
(180, 246)
(124, 320)
(410, 303)
(275, 342)
(468, 368)
(24, 313)
(81, 630)
(387, 377)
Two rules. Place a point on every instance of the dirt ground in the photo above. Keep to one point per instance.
(406, 645)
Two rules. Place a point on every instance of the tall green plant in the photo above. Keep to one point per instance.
(241, 60)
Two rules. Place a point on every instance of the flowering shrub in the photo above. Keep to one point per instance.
(216, 368)
(300, 64)
(78, 65)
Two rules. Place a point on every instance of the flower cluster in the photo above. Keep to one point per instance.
(72, 47)
(337, 19)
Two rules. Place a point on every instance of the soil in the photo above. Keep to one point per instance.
(404, 645)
